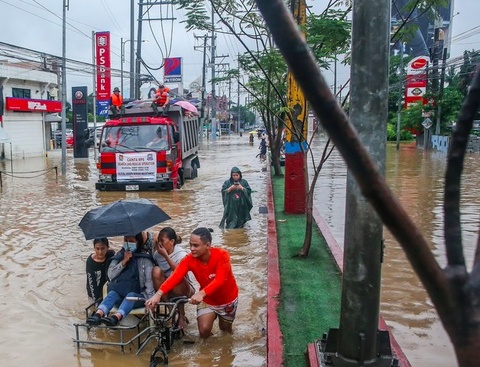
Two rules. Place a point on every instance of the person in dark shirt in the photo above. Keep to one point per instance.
(96, 269)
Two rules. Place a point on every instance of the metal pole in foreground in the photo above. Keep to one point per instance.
(64, 87)
(122, 57)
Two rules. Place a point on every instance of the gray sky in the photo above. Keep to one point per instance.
(37, 24)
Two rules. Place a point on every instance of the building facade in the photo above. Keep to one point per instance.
(28, 108)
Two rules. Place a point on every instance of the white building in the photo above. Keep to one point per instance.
(28, 106)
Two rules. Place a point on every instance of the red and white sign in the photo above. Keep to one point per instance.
(32, 105)
(416, 80)
(102, 59)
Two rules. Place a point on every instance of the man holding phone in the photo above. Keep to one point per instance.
(237, 200)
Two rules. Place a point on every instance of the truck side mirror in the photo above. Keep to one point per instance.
(176, 137)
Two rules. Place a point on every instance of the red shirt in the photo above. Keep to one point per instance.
(215, 277)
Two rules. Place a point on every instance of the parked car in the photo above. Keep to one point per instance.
(57, 138)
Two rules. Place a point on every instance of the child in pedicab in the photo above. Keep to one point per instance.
(130, 275)
(168, 255)
(96, 269)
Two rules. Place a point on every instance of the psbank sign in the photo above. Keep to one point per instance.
(102, 62)
(32, 105)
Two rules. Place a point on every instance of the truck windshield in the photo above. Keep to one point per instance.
(134, 138)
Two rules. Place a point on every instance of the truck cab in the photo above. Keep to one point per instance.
(142, 152)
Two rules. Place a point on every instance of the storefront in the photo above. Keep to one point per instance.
(29, 109)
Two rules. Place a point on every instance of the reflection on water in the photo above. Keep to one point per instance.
(417, 178)
(44, 252)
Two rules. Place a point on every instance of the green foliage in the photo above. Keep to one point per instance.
(392, 133)
(328, 34)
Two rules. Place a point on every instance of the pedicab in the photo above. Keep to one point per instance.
(142, 326)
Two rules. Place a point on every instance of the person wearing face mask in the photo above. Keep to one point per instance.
(130, 275)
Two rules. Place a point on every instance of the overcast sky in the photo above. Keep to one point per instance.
(37, 24)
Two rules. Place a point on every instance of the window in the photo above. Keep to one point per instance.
(20, 93)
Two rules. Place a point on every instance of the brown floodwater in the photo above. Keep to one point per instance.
(42, 275)
(42, 271)
(417, 178)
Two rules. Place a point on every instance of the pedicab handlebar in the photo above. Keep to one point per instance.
(172, 304)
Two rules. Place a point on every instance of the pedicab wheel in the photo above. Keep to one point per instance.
(155, 361)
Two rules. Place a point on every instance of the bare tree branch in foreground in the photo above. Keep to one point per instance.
(454, 292)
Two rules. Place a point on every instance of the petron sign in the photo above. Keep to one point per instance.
(172, 70)
(32, 105)
(416, 80)
(80, 121)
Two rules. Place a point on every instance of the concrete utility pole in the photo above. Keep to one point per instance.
(400, 92)
(132, 49)
(358, 342)
(64, 87)
(213, 121)
(203, 87)
(238, 97)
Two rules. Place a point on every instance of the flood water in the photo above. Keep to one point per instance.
(417, 178)
(42, 271)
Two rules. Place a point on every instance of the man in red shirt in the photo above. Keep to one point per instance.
(218, 294)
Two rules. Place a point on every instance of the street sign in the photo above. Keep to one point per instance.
(427, 123)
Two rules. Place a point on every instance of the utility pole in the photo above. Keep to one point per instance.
(238, 96)
(132, 49)
(213, 120)
(203, 87)
(400, 90)
(440, 92)
(139, 51)
(64, 86)
(149, 4)
(358, 341)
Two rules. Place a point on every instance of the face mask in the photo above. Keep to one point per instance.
(130, 246)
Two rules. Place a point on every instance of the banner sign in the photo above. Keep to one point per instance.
(136, 167)
(172, 70)
(102, 63)
(32, 105)
(416, 80)
(102, 108)
(80, 121)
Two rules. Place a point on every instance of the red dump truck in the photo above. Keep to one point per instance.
(140, 151)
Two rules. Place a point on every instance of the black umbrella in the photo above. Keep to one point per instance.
(121, 218)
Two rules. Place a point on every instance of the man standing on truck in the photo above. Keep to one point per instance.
(162, 99)
(116, 103)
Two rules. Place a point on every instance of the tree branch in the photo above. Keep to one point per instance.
(370, 181)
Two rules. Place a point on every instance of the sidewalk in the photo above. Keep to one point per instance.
(304, 294)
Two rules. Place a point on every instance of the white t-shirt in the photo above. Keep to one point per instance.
(177, 255)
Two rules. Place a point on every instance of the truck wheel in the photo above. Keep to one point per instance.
(194, 170)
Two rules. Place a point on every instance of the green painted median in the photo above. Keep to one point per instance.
(310, 287)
